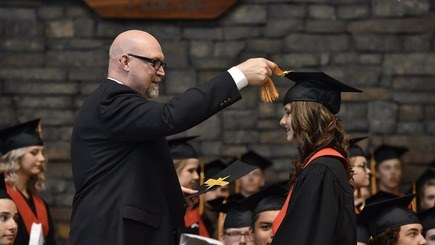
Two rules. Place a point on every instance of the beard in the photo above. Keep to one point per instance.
(153, 92)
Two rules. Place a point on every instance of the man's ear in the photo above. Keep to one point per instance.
(124, 60)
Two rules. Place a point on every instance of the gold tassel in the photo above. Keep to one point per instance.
(414, 200)
(237, 186)
(237, 182)
(373, 186)
(201, 197)
(39, 131)
(268, 91)
(220, 223)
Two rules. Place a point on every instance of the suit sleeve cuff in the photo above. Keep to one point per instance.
(238, 77)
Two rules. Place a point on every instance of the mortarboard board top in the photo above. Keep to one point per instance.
(380, 196)
(253, 158)
(386, 152)
(21, 135)
(3, 192)
(354, 149)
(388, 214)
(213, 167)
(317, 87)
(181, 149)
(234, 171)
(270, 198)
(427, 219)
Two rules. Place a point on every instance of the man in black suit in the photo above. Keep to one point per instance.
(127, 191)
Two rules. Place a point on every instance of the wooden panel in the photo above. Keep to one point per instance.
(160, 9)
(20, 3)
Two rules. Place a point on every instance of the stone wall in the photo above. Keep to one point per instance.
(54, 53)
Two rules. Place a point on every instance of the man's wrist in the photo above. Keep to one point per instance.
(238, 77)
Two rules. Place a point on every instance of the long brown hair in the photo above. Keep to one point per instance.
(315, 128)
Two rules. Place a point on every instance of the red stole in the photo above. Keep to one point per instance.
(192, 216)
(26, 212)
(324, 152)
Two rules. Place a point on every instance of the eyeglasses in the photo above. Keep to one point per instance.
(155, 62)
(235, 236)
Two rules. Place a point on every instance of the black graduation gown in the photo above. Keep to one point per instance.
(23, 236)
(321, 209)
(127, 189)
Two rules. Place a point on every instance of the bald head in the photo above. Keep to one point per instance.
(135, 42)
(130, 41)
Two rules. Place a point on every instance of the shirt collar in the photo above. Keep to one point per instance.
(113, 79)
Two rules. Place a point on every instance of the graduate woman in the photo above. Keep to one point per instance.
(319, 208)
(23, 163)
(186, 164)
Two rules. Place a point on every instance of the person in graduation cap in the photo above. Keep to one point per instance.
(237, 224)
(360, 181)
(120, 159)
(427, 219)
(319, 208)
(425, 187)
(8, 215)
(360, 170)
(186, 164)
(389, 168)
(213, 198)
(254, 181)
(391, 222)
(265, 206)
(23, 162)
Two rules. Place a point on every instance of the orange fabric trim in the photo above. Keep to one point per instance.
(324, 152)
(192, 217)
(26, 212)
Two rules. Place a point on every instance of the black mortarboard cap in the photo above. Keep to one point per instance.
(386, 152)
(219, 204)
(234, 171)
(380, 196)
(237, 216)
(317, 87)
(213, 167)
(21, 135)
(427, 219)
(267, 199)
(253, 158)
(3, 192)
(362, 233)
(181, 149)
(354, 149)
(424, 178)
(388, 214)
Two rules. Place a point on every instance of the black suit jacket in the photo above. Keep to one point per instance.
(127, 190)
